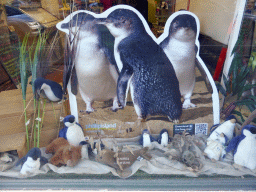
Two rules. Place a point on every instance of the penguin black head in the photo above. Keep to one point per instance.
(123, 21)
(69, 120)
(183, 26)
(80, 21)
(34, 153)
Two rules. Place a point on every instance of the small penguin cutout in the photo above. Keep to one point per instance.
(244, 147)
(146, 138)
(94, 68)
(72, 131)
(164, 138)
(143, 65)
(181, 45)
(50, 89)
(32, 162)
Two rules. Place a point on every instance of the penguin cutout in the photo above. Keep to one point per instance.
(143, 65)
(95, 66)
(180, 48)
(244, 147)
(163, 138)
(180, 43)
(32, 161)
(51, 89)
(146, 138)
(72, 131)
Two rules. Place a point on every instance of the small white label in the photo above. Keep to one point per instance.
(201, 128)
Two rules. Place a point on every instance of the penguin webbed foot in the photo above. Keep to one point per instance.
(175, 121)
(187, 104)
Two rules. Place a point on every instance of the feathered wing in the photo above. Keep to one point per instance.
(234, 143)
(21, 161)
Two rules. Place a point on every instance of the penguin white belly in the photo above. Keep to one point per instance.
(97, 78)
(146, 141)
(182, 56)
(246, 153)
(30, 166)
(164, 140)
(75, 135)
(48, 92)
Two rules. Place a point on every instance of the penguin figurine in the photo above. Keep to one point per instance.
(144, 67)
(84, 149)
(72, 131)
(95, 67)
(146, 138)
(181, 49)
(164, 138)
(32, 161)
(244, 147)
(51, 89)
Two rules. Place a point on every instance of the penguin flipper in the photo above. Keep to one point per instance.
(122, 84)
(43, 161)
(74, 81)
(62, 132)
(234, 143)
(21, 161)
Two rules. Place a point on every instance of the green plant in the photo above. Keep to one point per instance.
(236, 82)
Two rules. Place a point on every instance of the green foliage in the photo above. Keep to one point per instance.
(235, 83)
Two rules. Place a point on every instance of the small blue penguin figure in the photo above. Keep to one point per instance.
(164, 138)
(146, 138)
(32, 161)
(52, 90)
(244, 147)
(72, 131)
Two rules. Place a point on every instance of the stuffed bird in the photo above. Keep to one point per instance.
(32, 161)
(146, 138)
(164, 138)
(72, 131)
(51, 89)
(244, 147)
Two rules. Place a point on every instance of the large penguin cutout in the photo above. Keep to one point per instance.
(94, 64)
(144, 66)
(180, 43)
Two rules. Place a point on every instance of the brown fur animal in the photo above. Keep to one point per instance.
(55, 145)
(67, 155)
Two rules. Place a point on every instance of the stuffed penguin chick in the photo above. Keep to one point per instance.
(216, 146)
(32, 161)
(164, 138)
(227, 128)
(146, 138)
(52, 90)
(72, 131)
(244, 147)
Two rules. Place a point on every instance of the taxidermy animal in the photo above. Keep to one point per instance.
(94, 67)
(184, 148)
(164, 138)
(122, 161)
(216, 146)
(66, 154)
(146, 138)
(72, 131)
(32, 161)
(51, 89)
(180, 48)
(244, 147)
(144, 67)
